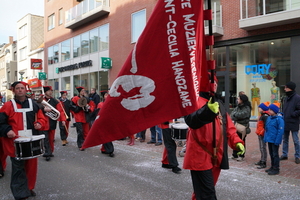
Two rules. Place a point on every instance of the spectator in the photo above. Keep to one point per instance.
(154, 130)
(273, 136)
(291, 113)
(94, 97)
(241, 114)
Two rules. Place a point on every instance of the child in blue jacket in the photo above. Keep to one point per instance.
(274, 130)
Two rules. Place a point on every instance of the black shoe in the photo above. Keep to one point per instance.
(297, 160)
(273, 172)
(151, 142)
(48, 158)
(258, 163)
(262, 165)
(33, 194)
(283, 158)
(158, 143)
(176, 170)
(1, 174)
(166, 166)
(81, 149)
(270, 169)
(111, 155)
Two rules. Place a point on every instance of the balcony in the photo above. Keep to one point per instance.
(268, 13)
(86, 11)
(217, 28)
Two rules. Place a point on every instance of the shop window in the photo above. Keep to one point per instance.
(94, 40)
(262, 69)
(55, 53)
(50, 56)
(60, 16)
(76, 46)
(104, 37)
(65, 50)
(84, 43)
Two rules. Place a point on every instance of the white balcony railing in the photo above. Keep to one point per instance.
(250, 8)
(217, 20)
(87, 9)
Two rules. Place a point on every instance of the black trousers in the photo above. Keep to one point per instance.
(48, 151)
(170, 146)
(203, 184)
(80, 136)
(109, 147)
(63, 131)
(18, 182)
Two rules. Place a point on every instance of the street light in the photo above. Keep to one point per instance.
(21, 73)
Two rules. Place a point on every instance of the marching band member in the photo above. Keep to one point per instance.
(50, 133)
(18, 116)
(81, 114)
(205, 166)
(64, 129)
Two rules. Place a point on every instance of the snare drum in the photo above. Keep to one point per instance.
(29, 147)
(179, 131)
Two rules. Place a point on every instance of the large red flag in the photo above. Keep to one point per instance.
(160, 79)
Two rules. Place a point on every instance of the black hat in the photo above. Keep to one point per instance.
(46, 88)
(79, 89)
(62, 92)
(291, 85)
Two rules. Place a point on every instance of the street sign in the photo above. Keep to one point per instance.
(42, 75)
(106, 63)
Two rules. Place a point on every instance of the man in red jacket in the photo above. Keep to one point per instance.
(52, 123)
(81, 114)
(18, 116)
(205, 165)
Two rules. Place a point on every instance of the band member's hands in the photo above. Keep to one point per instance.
(37, 126)
(11, 134)
(241, 148)
(214, 107)
(63, 123)
(47, 109)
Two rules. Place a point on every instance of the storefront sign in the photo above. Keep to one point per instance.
(106, 63)
(257, 69)
(34, 83)
(74, 66)
(36, 63)
(42, 76)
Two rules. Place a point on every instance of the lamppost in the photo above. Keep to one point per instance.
(21, 73)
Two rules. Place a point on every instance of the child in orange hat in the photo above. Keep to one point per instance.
(260, 131)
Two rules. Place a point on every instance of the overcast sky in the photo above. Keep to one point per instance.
(12, 11)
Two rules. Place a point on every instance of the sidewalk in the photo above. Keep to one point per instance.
(288, 168)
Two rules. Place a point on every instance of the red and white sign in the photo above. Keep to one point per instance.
(160, 79)
(36, 63)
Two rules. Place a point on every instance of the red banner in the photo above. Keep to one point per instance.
(34, 83)
(36, 63)
(160, 79)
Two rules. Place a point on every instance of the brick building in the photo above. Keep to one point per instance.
(256, 44)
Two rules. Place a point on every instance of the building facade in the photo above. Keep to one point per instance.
(256, 44)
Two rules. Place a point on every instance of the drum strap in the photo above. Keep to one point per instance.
(23, 111)
(214, 159)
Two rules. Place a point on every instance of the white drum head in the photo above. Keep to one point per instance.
(37, 137)
(180, 126)
(23, 139)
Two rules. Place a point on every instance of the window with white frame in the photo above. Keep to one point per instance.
(138, 23)
(23, 31)
(51, 22)
(23, 53)
(60, 16)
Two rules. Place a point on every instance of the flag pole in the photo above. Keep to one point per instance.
(212, 81)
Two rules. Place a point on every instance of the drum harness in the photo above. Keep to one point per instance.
(23, 111)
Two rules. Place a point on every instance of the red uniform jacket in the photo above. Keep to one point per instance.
(14, 121)
(196, 158)
(81, 115)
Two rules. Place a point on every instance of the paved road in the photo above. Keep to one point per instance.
(135, 173)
